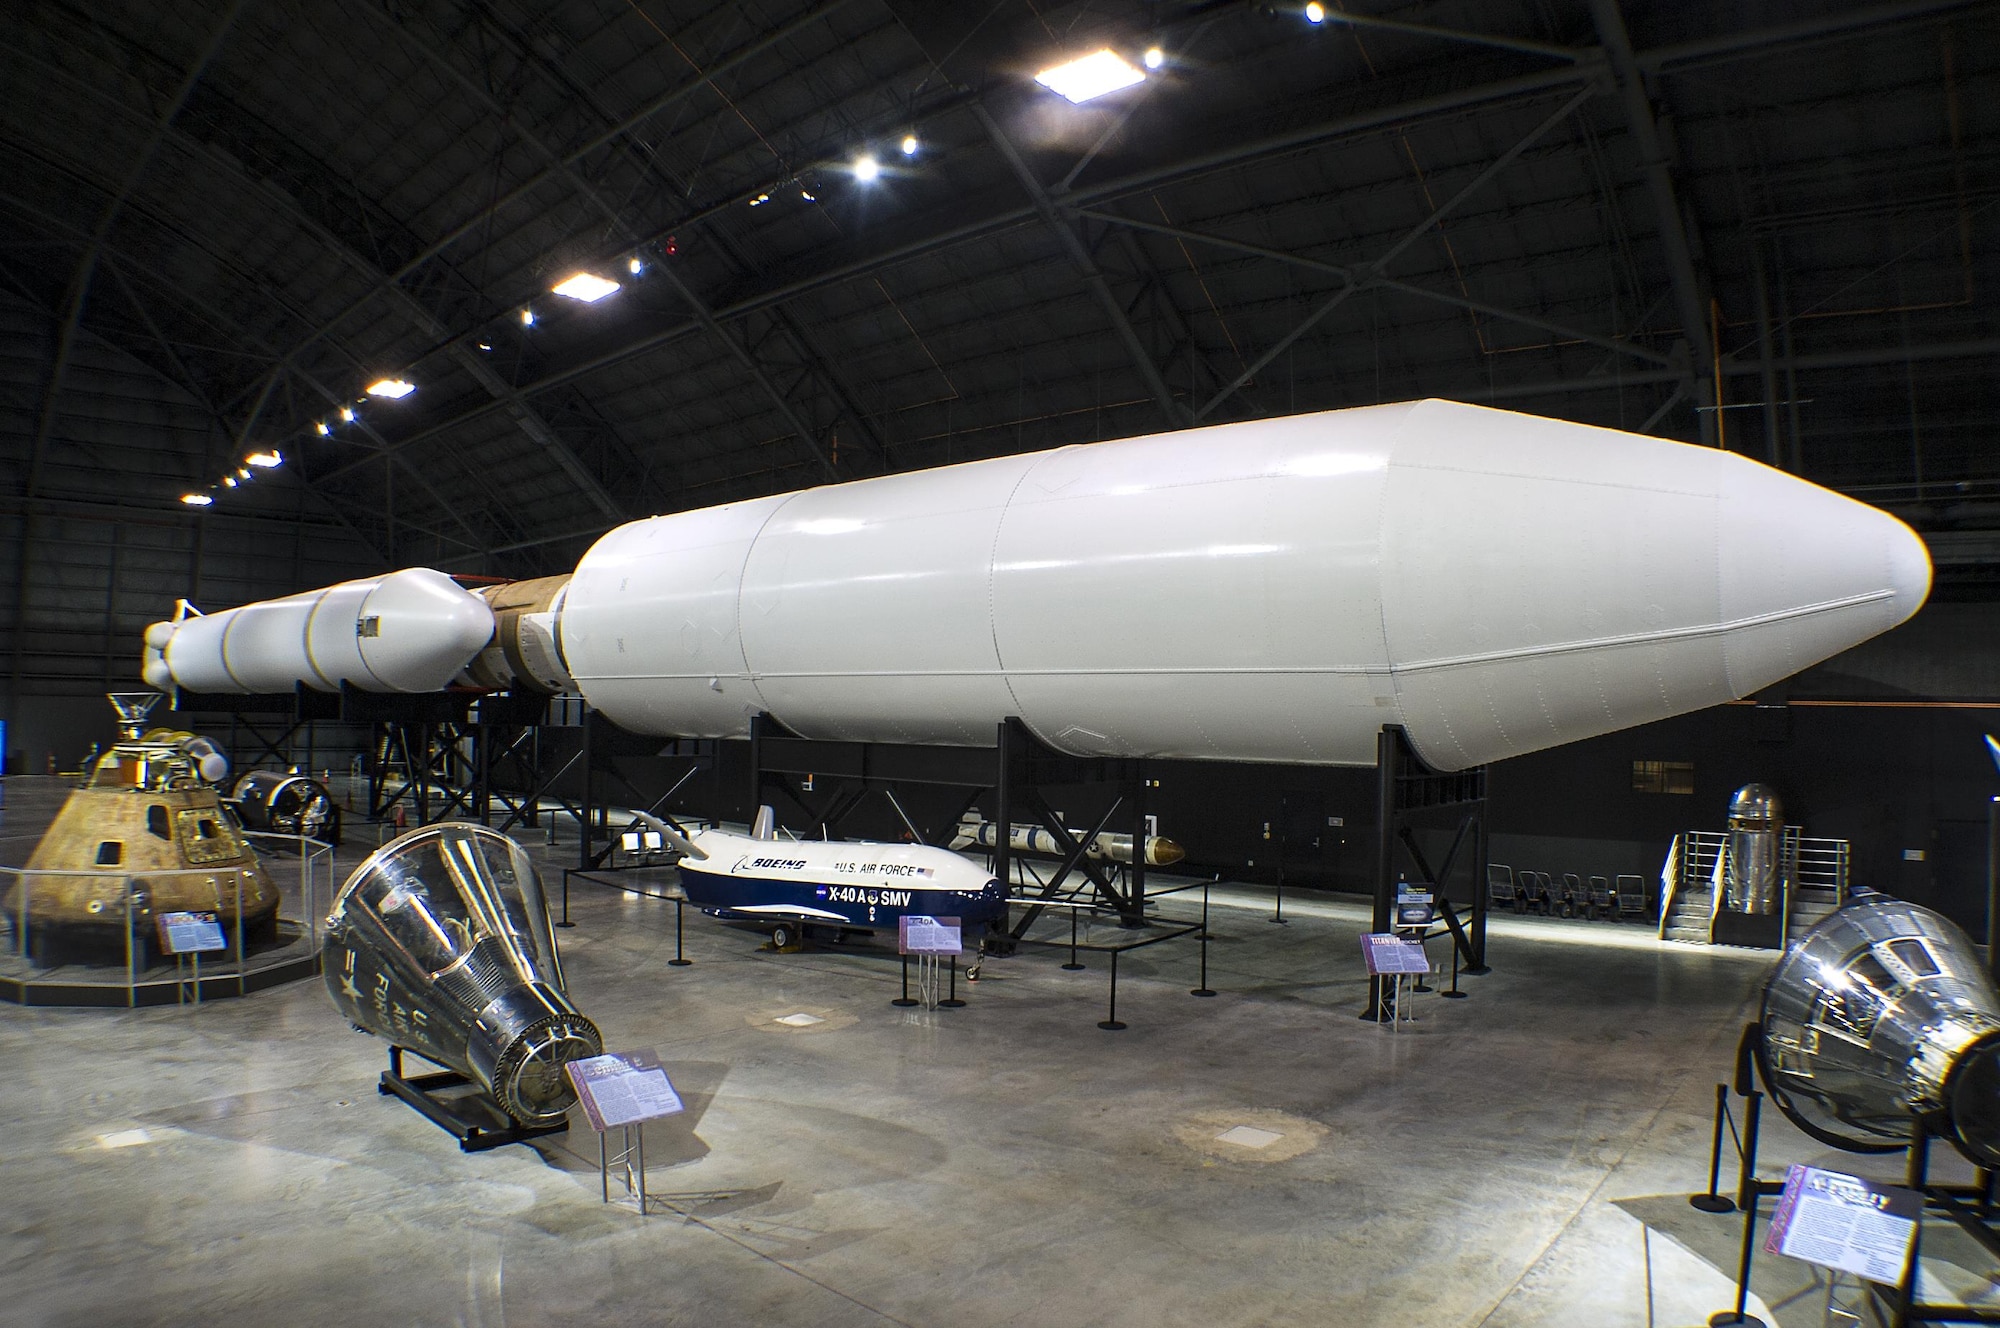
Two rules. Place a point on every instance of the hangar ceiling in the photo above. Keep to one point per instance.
(1766, 226)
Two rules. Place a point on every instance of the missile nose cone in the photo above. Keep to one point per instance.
(1544, 582)
(1805, 573)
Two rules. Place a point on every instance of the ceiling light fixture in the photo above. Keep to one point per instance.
(807, 195)
(1089, 76)
(347, 414)
(586, 287)
(1154, 57)
(196, 499)
(229, 480)
(634, 266)
(1315, 12)
(243, 472)
(760, 200)
(866, 168)
(321, 427)
(265, 460)
(909, 145)
(393, 388)
(527, 318)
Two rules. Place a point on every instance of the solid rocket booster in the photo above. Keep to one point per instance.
(1275, 590)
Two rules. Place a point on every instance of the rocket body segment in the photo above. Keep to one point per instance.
(407, 631)
(1274, 590)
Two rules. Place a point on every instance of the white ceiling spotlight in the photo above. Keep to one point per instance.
(527, 318)
(265, 460)
(197, 499)
(393, 388)
(586, 287)
(866, 168)
(1090, 76)
(910, 145)
(347, 414)
(1154, 57)
(321, 428)
(1315, 12)
(634, 266)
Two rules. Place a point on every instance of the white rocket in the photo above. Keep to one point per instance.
(1267, 591)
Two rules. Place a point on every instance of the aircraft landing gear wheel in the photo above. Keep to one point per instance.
(786, 936)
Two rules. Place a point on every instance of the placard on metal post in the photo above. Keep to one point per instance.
(186, 936)
(1398, 959)
(622, 1091)
(930, 939)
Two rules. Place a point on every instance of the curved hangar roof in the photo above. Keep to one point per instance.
(853, 236)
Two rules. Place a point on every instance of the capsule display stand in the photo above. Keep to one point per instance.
(470, 1119)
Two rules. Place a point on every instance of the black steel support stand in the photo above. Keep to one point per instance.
(1454, 994)
(1072, 966)
(473, 1135)
(905, 1000)
(951, 1002)
(1203, 990)
(1110, 1022)
(1714, 1201)
(565, 917)
(680, 959)
(1405, 790)
(1749, 1192)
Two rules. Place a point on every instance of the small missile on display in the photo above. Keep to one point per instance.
(974, 832)
(1274, 590)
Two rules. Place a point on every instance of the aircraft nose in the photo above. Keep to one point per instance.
(1805, 573)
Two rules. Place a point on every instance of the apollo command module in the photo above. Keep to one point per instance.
(146, 835)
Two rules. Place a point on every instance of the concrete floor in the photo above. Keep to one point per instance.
(1521, 1157)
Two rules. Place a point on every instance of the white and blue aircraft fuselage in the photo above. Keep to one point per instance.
(837, 883)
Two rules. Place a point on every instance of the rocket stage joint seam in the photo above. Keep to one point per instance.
(1690, 633)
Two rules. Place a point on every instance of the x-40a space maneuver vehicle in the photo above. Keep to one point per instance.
(791, 884)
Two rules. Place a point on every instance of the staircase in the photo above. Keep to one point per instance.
(1820, 884)
(1691, 899)
(1815, 872)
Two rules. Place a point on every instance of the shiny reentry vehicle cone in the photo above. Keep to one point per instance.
(440, 942)
(1879, 1014)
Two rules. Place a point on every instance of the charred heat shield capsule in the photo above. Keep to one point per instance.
(1879, 1014)
(440, 942)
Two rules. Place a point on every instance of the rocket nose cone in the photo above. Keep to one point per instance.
(1806, 573)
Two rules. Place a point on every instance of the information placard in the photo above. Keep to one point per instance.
(1388, 954)
(918, 934)
(1414, 907)
(623, 1088)
(1839, 1221)
(190, 933)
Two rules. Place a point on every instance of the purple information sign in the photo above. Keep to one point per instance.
(622, 1088)
(190, 933)
(917, 934)
(1839, 1221)
(1388, 954)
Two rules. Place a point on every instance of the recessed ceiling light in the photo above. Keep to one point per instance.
(1090, 76)
(866, 168)
(265, 460)
(196, 499)
(585, 286)
(393, 388)
(1155, 57)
